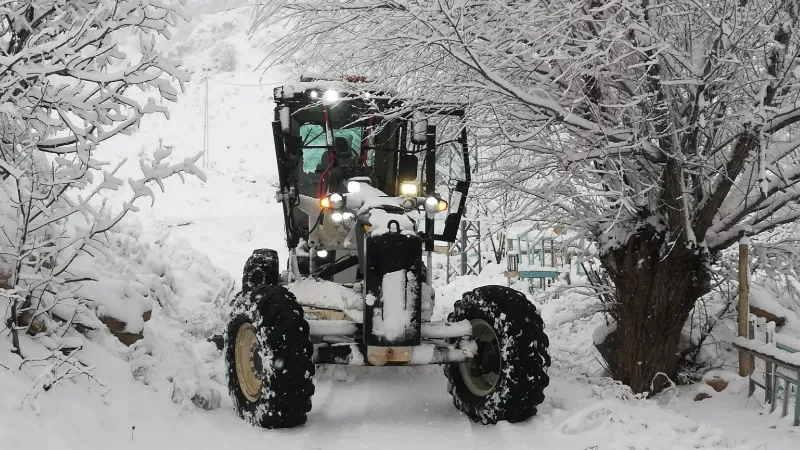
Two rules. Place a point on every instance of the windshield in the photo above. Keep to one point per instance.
(315, 149)
(364, 141)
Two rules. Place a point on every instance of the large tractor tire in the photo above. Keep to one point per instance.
(268, 359)
(261, 268)
(506, 380)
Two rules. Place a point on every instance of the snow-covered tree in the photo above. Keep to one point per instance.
(65, 88)
(667, 130)
(498, 195)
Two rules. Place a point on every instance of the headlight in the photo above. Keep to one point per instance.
(433, 205)
(409, 189)
(334, 201)
(322, 253)
(343, 219)
(353, 187)
(330, 96)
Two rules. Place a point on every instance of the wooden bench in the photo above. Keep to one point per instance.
(533, 273)
(782, 360)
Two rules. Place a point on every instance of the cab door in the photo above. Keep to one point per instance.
(453, 180)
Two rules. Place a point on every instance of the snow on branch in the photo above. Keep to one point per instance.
(677, 115)
(65, 88)
(63, 73)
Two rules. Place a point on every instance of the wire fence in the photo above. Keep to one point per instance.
(205, 81)
(229, 83)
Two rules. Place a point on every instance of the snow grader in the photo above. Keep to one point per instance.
(363, 182)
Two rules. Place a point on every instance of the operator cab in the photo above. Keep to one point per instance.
(329, 132)
(337, 136)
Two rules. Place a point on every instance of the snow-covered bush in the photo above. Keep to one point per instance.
(66, 90)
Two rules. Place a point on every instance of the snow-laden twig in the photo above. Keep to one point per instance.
(59, 368)
(66, 89)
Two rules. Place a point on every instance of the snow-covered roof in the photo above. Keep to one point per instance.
(763, 299)
(323, 83)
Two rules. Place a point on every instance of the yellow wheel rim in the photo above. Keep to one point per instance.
(245, 352)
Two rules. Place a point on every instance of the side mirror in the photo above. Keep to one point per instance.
(407, 170)
(419, 128)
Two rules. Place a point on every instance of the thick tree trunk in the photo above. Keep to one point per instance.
(656, 292)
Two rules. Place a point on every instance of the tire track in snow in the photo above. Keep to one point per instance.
(388, 408)
(487, 437)
(330, 424)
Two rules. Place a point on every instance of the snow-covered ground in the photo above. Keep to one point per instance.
(195, 239)
(144, 401)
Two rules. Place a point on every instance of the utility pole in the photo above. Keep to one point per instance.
(206, 156)
(745, 362)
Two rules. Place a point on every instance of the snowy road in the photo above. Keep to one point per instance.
(388, 409)
(400, 409)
